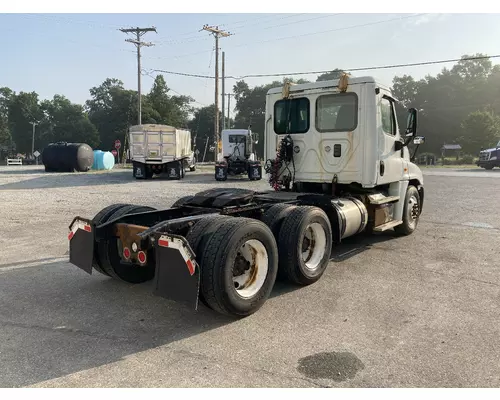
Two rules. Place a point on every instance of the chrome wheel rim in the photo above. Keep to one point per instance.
(313, 246)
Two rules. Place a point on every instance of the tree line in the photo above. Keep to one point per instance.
(458, 105)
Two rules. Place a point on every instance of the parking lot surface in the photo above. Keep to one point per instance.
(418, 311)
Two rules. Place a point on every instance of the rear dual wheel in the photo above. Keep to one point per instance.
(304, 238)
(238, 259)
(107, 253)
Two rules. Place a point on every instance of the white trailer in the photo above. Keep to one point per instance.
(157, 149)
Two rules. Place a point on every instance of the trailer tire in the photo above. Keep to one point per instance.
(234, 242)
(305, 226)
(410, 219)
(198, 235)
(110, 258)
(180, 202)
(100, 218)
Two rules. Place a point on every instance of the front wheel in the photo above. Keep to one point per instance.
(411, 212)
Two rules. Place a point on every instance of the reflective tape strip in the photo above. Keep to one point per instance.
(79, 225)
(174, 243)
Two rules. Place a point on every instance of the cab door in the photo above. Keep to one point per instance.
(391, 163)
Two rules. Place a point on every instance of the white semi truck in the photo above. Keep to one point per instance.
(237, 155)
(339, 166)
(160, 149)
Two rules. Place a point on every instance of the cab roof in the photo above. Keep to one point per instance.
(327, 84)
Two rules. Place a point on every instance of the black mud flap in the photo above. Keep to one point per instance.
(255, 171)
(220, 172)
(173, 170)
(139, 171)
(81, 244)
(177, 275)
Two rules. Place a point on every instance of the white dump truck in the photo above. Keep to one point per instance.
(160, 149)
(237, 155)
(339, 166)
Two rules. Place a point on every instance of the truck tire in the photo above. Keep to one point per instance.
(411, 212)
(100, 218)
(488, 167)
(273, 218)
(274, 215)
(193, 168)
(180, 202)
(305, 243)
(198, 235)
(230, 283)
(110, 257)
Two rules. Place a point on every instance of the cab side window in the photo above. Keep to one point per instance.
(388, 117)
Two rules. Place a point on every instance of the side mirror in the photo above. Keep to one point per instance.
(411, 124)
(418, 140)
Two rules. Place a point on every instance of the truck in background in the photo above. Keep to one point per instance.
(160, 149)
(489, 158)
(237, 155)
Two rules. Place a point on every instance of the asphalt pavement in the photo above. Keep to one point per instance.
(418, 311)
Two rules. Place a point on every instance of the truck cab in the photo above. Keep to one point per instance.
(351, 135)
(489, 158)
(237, 155)
(340, 135)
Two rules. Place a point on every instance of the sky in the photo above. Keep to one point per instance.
(70, 53)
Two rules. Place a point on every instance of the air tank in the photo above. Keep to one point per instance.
(67, 157)
(103, 160)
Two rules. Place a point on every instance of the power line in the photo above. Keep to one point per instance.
(326, 71)
(298, 36)
(300, 21)
(332, 30)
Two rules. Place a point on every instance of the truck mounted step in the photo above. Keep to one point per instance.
(379, 198)
(387, 226)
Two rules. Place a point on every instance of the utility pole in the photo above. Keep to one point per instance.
(223, 91)
(228, 108)
(217, 33)
(139, 32)
(33, 139)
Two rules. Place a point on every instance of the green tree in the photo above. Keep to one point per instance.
(479, 130)
(5, 138)
(65, 121)
(24, 108)
(168, 110)
(202, 131)
(112, 109)
(332, 75)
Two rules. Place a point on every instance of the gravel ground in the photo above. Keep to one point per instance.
(419, 311)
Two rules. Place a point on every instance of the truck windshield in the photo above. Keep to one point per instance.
(291, 116)
(236, 139)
